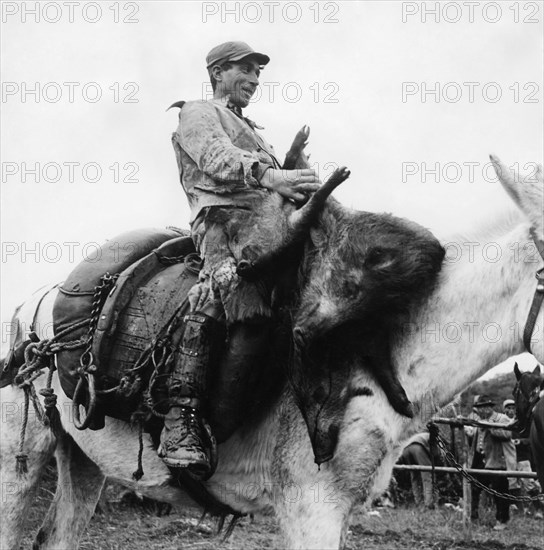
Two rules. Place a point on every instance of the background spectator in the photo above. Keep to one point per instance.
(492, 449)
(418, 452)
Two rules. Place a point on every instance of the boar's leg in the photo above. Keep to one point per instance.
(388, 380)
(379, 358)
(295, 155)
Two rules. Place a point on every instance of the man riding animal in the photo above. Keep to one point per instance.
(227, 171)
(242, 202)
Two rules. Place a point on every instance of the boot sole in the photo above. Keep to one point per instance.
(200, 469)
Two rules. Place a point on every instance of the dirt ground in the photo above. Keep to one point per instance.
(130, 524)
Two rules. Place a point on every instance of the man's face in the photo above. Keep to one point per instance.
(485, 412)
(240, 81)
(510, 411)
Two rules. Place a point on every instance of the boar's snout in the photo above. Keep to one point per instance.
(311, 323)
(324, 443)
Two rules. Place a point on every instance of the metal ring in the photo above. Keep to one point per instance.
(89, 411)
(86, 358)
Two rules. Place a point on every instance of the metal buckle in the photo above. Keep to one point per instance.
(539, 276)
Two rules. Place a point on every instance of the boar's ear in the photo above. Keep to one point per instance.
(517, 371)
(322, 232)
(319, 237)
(537, 370)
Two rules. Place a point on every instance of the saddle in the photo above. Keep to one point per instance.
(128, 307)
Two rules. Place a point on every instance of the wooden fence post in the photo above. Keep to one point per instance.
(467, 494)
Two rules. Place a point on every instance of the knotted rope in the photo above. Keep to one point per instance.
(38, 356)
(21, 466)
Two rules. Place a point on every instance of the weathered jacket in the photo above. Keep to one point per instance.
(221, 158)
(498, 447)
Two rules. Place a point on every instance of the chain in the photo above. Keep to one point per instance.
(451, 460)
(85, 389)
(106, 282)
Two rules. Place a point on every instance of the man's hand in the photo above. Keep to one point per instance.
(292, 184)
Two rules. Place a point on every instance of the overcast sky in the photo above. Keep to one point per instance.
(389, 89)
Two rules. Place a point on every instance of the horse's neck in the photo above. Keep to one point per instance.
(473, 320)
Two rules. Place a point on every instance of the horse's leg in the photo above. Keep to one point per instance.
(314, 506)
(80, 483)
(310, 505)
(17, 493)
(312, 516)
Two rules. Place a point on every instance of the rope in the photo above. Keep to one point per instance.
(52, 417)
(38, 409)
(67, 330)
(36, 354)
(21, 466)
(169, 260)
(138, 474)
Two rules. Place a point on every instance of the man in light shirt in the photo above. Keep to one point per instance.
(492, 449)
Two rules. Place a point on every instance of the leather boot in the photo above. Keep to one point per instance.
(186, 439)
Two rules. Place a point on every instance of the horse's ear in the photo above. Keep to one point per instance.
(517, 371)
(537, 370)
(526, 191)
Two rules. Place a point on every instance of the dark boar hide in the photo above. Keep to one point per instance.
(361, 274)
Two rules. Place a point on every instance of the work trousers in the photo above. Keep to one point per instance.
(422, 485)
(499, 484)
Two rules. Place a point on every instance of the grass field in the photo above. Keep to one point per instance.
(129, 524)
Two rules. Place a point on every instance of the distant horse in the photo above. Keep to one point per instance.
(461, 330)
(530, 413)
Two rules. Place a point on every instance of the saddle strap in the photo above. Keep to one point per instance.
(538, 298)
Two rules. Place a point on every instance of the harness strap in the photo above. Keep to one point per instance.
(538, 394)
(538, 297)
(538, 243)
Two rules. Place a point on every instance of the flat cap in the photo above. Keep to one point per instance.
(483, 401)
(508, 402)
(233, 51)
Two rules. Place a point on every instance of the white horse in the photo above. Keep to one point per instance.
(473, 319)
